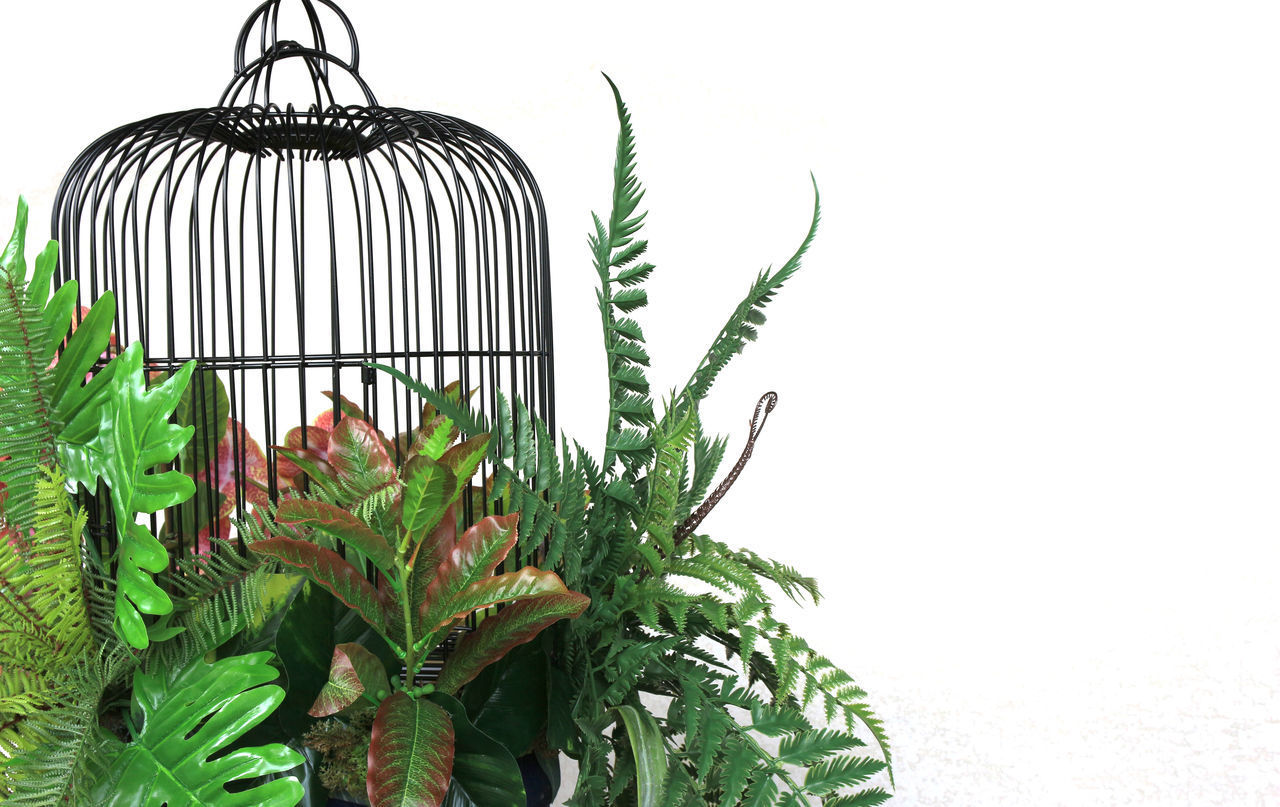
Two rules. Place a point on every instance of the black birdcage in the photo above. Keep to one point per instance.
(284, 249)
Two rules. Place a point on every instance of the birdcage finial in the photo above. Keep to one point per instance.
(255, 74)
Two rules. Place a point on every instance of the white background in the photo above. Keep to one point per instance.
(1029, 429)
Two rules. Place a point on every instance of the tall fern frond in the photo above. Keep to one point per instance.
(614, 248)
(59, 767)
(742, 325)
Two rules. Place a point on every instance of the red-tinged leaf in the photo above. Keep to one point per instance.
(476, 555)
(333, 520)
(527, 584)
(498, 634)
(346, 406)
(353, 672)
(306, 461)
(429, 488)
(359, 454)
(317, 441)
(327, 569)
(465, 458)
(431, 552)
(410, 753)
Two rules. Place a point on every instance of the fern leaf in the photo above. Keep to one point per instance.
(738, 330)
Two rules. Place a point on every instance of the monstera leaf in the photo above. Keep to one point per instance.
(178, 756)
(133, 436)
(44, 381)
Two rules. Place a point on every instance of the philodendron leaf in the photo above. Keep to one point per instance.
(429, 488)
(188, 719)
(71, 395)
(359, 454)
(527, 584)
(410, 753)
(133, 436)
(650, 754)
(498, 634)
(353, 672)
(341, 524)
(327, 569)
(484, 772)
(477, 553)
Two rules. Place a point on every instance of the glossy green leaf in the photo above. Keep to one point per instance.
(326, 568)
(410, 753)
(359, 454)
(650, 754)
(134, 435)
(499, 633)
(186, 720)
(353, 672)
(429, 488)
(483, 770)
(84, 348)
(338, 523)
(508, 699)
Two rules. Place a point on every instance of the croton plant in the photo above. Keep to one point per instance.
(429, 574)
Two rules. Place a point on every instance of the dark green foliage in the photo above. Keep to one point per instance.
(675, 617)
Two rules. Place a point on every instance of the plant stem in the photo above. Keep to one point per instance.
(403, 571)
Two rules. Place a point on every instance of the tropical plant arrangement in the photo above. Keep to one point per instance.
(132, 673)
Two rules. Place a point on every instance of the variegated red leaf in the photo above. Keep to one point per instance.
(332, 520)
(514, 625)
(352, 672)
(410, 753)
(477, 553)
(526, 584)
(359, 454)
(327, 569)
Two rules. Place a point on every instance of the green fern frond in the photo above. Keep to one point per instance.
(741, 326)
(621, 291)
(216, 597)
(27, 434)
